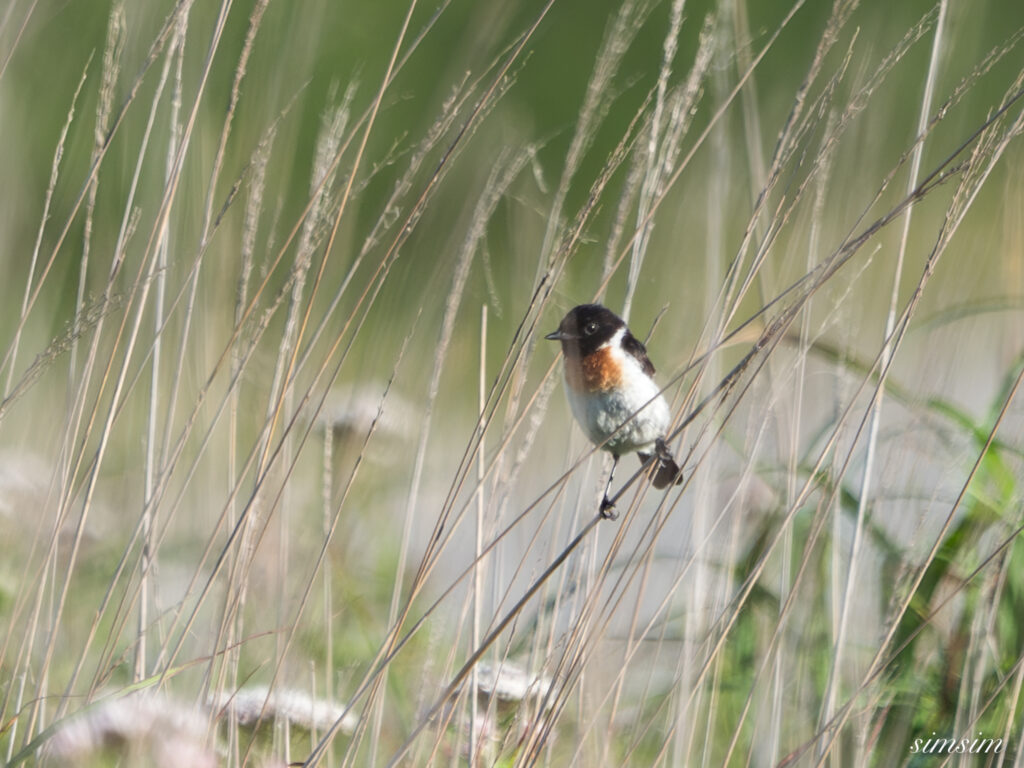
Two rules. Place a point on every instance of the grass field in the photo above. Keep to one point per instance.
(286, 471)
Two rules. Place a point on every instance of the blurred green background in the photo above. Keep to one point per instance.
(307, 51)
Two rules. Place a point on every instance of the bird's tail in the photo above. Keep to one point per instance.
(667, 472)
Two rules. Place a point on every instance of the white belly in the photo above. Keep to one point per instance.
(602, 414)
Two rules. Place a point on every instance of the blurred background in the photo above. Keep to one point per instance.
(276, 398)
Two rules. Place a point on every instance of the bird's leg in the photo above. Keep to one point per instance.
(661, 449)
(607, 506)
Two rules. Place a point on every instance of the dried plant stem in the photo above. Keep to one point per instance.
(479, 572)
(159, 273)
(875, 408)
(12, 354)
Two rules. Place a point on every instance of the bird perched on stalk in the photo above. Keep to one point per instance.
(610, 385)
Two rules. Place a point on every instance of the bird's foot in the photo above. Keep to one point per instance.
(608, 509)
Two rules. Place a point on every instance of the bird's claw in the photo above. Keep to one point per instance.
(608, 509)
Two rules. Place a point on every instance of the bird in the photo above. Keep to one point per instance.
(609, 381)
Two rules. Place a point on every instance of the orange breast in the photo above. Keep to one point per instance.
(597, 372)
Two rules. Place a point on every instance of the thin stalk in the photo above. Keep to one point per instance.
(875, 408)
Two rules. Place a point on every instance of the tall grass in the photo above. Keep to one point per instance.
(286, 474)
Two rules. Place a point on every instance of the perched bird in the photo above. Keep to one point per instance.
(608, 379)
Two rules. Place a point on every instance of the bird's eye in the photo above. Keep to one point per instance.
(590, 328)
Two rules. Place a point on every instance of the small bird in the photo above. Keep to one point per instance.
(608, 378)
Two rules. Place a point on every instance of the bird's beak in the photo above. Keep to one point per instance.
(555, 336)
